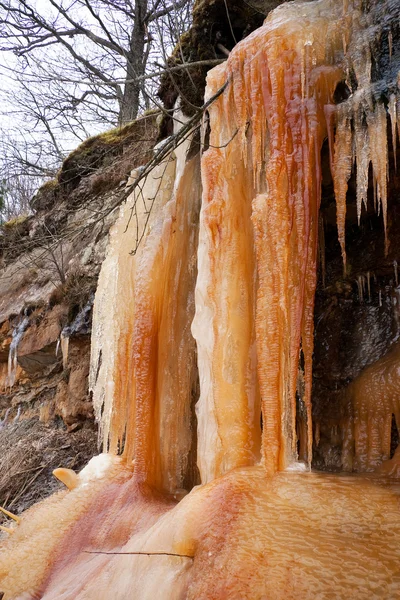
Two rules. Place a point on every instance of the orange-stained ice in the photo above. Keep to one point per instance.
(145, 383)
(295, 536)
(163, 350)
(113, 314)
(372, 401)
(262, 180)
(341, 171)
(228, 412)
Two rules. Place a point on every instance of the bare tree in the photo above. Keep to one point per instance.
(97, 49)
(71, 69)
(15, 195)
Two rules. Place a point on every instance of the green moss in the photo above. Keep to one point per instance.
(102, 149)
(48, 186)
(16, 222)
(115, 136)
(150, 112)
(107, 158)
(46, 195)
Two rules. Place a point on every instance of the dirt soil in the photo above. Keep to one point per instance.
(31, 450)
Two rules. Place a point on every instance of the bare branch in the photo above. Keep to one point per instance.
(153, 16)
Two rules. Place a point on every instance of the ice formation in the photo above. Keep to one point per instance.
(371, 401)
(13, 350)
(79, 324)
(206, 298)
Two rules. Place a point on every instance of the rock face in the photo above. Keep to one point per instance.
(37, 349)
(50, 264)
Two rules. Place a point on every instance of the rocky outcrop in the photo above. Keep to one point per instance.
(37, 349)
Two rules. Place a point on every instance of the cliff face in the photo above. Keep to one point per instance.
(251, 337)
(50, 264)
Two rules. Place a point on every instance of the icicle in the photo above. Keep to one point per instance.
(374, 399)
(4, 421)
(377, 128)
(361, 288)
(17, 334)
(228, 410)
(64, 342)
(159, 426)
(16, 418)
(12, 367)
(380, 298)
(369, 285)
(396, 278)
(111, 379)
(321, 243)
(80, 324)
(342, 164)
(274, 214)
(143, 373)
(330, 117)
(392, 108)
(362, 150)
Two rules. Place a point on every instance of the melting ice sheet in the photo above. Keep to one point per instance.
(13, 350)
(293, 536)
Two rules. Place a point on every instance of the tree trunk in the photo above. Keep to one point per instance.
(135, 66)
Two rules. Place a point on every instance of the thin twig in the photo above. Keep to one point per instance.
(29, 470)
(229, 21)
(167, 69)
(141, 553)
(26, 486)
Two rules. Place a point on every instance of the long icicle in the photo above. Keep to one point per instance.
(342, 165)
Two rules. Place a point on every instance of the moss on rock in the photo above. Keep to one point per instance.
(96, 158)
